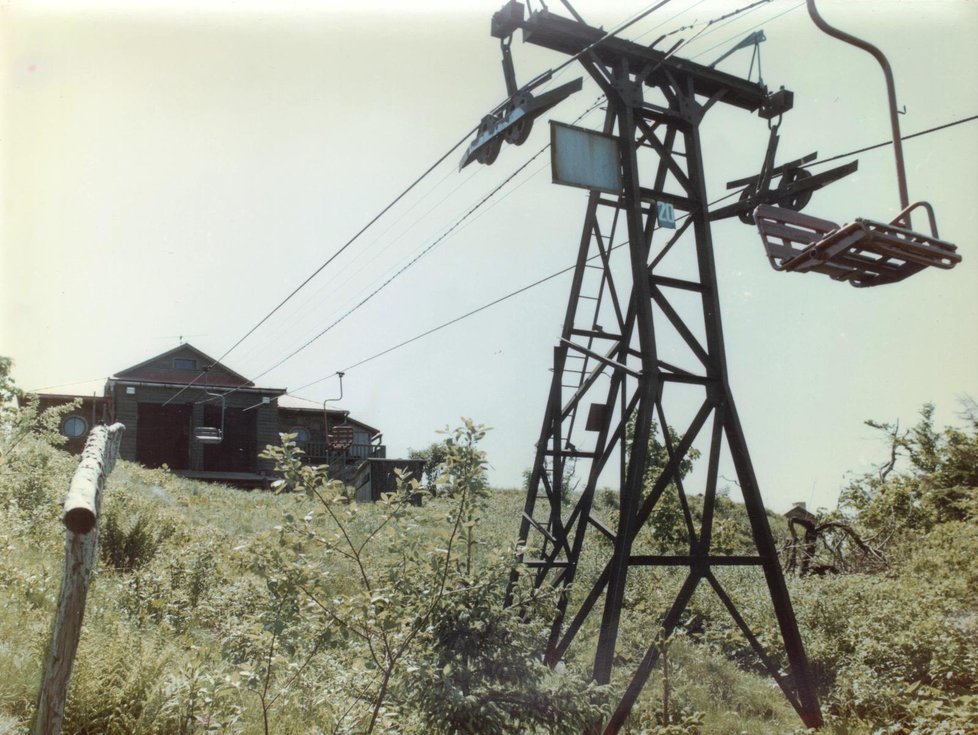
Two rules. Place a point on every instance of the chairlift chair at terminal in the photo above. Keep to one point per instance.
(864, 252)
(341, 437)
(211, 434)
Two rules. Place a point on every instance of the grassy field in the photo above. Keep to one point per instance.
(194, 623)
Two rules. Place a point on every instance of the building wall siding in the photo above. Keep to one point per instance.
(311, 421)
(268, 430)
(127, 412)
(124, 409)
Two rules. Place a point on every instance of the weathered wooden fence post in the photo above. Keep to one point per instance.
(80, 517)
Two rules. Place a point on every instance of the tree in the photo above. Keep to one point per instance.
(930, 477)
(433, 457)
(20, 415)
(667, 523)
(828, 543)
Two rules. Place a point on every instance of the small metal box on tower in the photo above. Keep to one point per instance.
(507, 20)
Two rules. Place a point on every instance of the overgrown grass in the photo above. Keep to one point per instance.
(176, 635)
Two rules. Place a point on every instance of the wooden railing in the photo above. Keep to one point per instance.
(81, 514)
(318, 452)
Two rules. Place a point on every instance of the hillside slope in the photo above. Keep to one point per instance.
(215, 610)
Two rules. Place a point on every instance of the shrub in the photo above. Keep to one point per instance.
(115, 674)
(423, 632)
(129, 547)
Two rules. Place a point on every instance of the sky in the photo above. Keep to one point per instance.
(174, 171)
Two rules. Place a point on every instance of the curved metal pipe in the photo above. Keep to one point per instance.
(890, 89)
(325, 414)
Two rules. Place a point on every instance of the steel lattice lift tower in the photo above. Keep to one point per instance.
(642, 337)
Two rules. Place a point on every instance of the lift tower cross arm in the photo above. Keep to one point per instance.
(641, 354)
(554, 32)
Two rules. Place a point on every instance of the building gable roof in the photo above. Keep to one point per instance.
(161, 369)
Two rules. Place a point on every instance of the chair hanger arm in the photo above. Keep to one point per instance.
(890, 90)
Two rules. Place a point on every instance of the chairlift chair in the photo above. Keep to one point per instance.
(865, 252)
(211, 434)
(341, 437)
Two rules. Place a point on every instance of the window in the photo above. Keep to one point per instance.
(74, 427)
(301, 434)
(184, 363)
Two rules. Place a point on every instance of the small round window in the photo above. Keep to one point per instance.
(301, 434)
(74, 427)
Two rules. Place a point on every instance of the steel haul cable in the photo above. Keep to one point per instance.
(728, 17)
(333, 257)
(555, 70)
(668, 55)
(561, 272)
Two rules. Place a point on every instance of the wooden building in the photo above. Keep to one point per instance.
(176, 404)
(329, 436)
(375, 476)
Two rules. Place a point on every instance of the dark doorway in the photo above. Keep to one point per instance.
(237, 451)
(163, 435)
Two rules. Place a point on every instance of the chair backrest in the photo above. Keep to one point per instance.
(341, 437)
(786, 233)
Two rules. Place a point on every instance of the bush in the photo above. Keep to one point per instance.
(480, 669)
(222, 621)
(34, 479)
(128, 682)
(115, 674)
(129, 547)
(419, 623)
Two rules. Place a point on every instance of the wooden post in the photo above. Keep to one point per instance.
(80, 517)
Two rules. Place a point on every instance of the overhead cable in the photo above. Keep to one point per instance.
(443, 325)
(295, 326)
(675, 49)
(727, 40)
(561, 272)
(333, 257)
(353, 239)
(410, 263)
(421, 254)
(727, 17)
(251, 331)
(610, 34)
(890, 142)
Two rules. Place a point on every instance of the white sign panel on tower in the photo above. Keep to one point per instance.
(584, 158)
